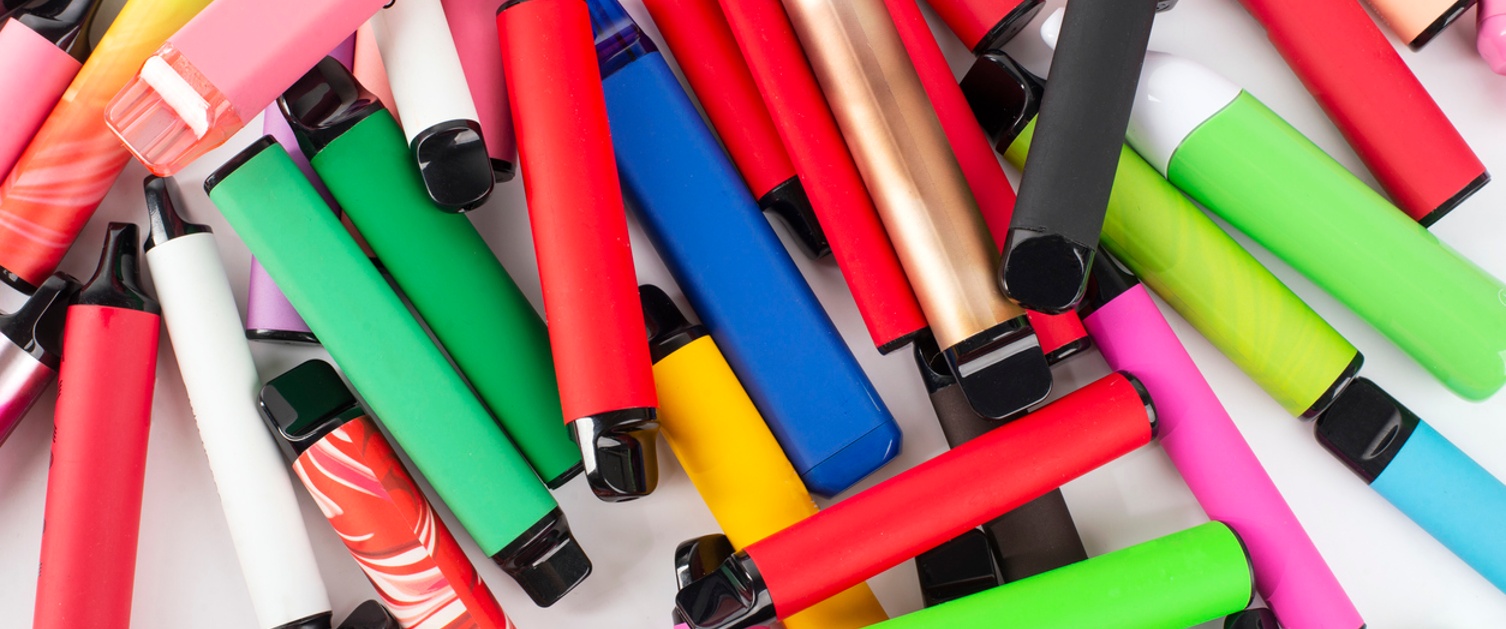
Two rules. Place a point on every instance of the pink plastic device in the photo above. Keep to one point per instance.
(473, 24)
(34, 72)
(1492, 42)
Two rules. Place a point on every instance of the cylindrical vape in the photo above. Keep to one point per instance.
(1491, 37)
(1213, 458)
(385, 520)
(42, 44)
(73, 160)
(256, 495)
(984, 25)
(1253, 618)
(580, 236)
(1417, 22)
(961, 567)
(221, 69)
(703, 46)
(716, 432)
(1243, 162)
(858, 241)
(924, 201)
(422, 400)
(1419, 471)
(474, 29)
(738, 276)
(1180, 580)
(1349, 66)
(32, 348)
(443, 128)
(370, 71)
(867, 533)
(99, 438)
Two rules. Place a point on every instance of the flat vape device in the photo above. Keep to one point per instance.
(216, 73)
(1253, 618)
(1491, 38)
(815, 144)
(474, 28)
(73, 160)
(580, 237)
(1064, 192)
(961, 567)
(441, 122)
(423, 402)
(373, 503)
(1417, 22)
(731, 457)
(1180, 580)
(985, 25)
(438, 260)
(738, 276)
(787, 572)
(99, 438)
(1211, 455)
(1243, 162)
(1421, 473)
(924, 201)
(43, 44)
(703, 46)
(34, 345)
(1348, 65)
(214, 357)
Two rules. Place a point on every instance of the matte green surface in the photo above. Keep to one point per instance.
(384, 352)
(1216, 285)
(457, 285)
(1249, 166)
(1173, 582)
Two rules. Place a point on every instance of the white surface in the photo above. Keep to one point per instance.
(1396, 574)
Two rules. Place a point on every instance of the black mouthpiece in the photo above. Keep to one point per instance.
(306, 403)
(668, 329)
(370, 615)
(324, 104)
(620, 453)
(116, 282)
(732, 597)
(697, 558)
(1365, 427)
(545, 560)
(37, 326)
(1004, 96)
(1001, 370)
(321, 620)
(789, 202)
(1255, 618)
(964, 566)
(163, 221)
(454, 165)
(1110, 279)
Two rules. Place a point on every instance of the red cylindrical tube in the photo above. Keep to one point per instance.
(1372, 96)
(984, 24)
(815, 145)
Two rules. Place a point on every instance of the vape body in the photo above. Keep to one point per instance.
(43, 44)
(474, 28)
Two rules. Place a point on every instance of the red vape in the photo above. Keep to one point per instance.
(986, 24)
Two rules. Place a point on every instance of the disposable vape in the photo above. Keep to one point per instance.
(43, 44)
(731, 457)
(697, 34)
(439, 261)
(787, 572)
(1419, 471)
(442, 126)
(984, 25)
(815, 144)
(1417, 22)
(32, 348)
(1180, 580)
(580, 237)
(474, 29)
(1242, 161)
(372, 502)
(961, 567)
(1409, 145)
(73, 160)
(1491, 34)
(826, 414)
(1253, 618)
(221, 69)
(99, 437)
(924, 201)
(421, 399)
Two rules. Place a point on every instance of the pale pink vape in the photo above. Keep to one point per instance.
(221, 69)
(34, 73)
(473, 24)
(1492, 42)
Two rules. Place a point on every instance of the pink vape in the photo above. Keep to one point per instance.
(221, 69)
(42, 46)
(1492, 42)
(473, 24)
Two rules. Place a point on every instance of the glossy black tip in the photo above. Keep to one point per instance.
(1146, 400)
(1441, 23)
(1044, 272)
(1365, 428)
(732, 597)
(1002, 370)
(503, 171)
(1003, 95)
(1256, 618)
(934, 371)
(1009, 26)
(1351, 371)
(37, 326)
(321, 620)
(240, 159)
(370, 615)
(1453, 202)
(961, 567)
(545, 560)
(1109, 279)
(620, 453)
(117, 279)
(789, 202)
(306, 403)
(325, 103)
(668, 329)
(282, 336)
(454, 164)
(699, 557)
(163, 221)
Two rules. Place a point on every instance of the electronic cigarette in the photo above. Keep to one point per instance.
(984, 25)
(1080, 125)
(99, 438)
(73, 160)
(1491, 37)
(1253, 618)
(580, 237)
(1417, 22)
(428, 83)
(369, 70)
(924, 201)
(474, 29)
(858, 241)
(731, 457)
(1242, 161)
(256, 495)
(1211, 455)
(959, 568)
(29, 358)
(703, 46)
(1180, 580)
(221, 69)
(43, 44)
(1421, 473)
(787, 572)
(1410, 146)
(372, 502)
(423, 402)
(738, 276)
(370, 615)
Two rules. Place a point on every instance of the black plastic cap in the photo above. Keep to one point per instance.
(456, 169)
(370, 615)
(668, 329)
(961, 567)
(1365, 427)
(117, 279)
(934, 371)
(1256, 618)
(306, 403)
(545, 560)
(620, 453)
(163, 221)
(1011, 25)
(1044, 272)
(321, 620)
(732, 597)
(789, 202)
(699, 557)
(65, 23)
(503, 171)
(1003, 95)
(325, 103)
(1351, 371)
(1002, 370)
(37, 326)
(1109, 279)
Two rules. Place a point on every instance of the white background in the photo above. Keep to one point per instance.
(1398, 576)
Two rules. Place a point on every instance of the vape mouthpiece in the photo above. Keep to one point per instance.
(164, 223)
(305, 404)
(732, 597)
(37, 326)
(325, 103)
(1256, 618)
(668, 329)
(620, 453)
(1001, 370)
(370, 615)
(116, 281)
